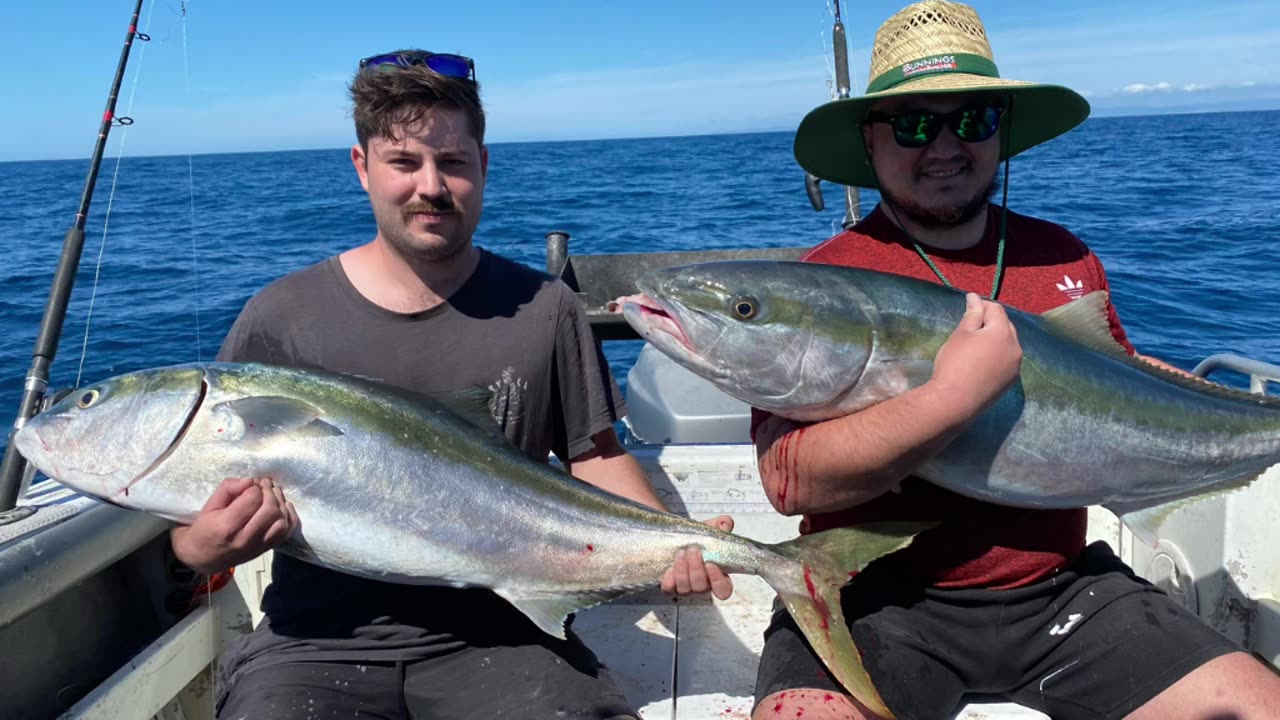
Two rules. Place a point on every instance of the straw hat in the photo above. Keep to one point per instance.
(933, 47)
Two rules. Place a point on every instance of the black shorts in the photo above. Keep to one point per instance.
(547, 679)
(1095, 641)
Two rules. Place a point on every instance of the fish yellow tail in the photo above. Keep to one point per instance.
(810, 588)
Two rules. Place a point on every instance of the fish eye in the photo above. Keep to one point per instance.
(87, 398)
(745, 308)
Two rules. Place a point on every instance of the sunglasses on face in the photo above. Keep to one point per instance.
(446, 64)
(918, 128)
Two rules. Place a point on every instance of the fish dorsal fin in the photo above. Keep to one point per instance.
(548, 611)
(1085, 321)
(260, 419)
(1145, 523)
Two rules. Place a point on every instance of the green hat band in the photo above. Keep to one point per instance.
(934, 65)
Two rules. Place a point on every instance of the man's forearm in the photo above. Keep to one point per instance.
(611, 468)
(849, 460)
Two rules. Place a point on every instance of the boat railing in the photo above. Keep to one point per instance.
(1260, 373)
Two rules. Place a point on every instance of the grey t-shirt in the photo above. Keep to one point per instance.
(518, 334)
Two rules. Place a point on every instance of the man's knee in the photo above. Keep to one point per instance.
(811, 704)
(1235, 685)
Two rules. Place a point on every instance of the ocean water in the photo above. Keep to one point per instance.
(1183, 210)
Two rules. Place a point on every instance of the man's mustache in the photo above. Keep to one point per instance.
(434, 208)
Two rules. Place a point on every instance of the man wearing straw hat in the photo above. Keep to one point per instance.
(995, 600)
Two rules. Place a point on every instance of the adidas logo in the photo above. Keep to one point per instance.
(1073, 288)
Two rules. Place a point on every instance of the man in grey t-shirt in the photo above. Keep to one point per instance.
(422, 308)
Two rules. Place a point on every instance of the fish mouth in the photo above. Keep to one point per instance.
(32, 445)
(178, 437)
(660, 324)
(653, 315)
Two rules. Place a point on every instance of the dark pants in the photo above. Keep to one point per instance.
(552, 679)
(1091, 643)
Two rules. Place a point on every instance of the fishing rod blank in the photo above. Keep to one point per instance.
(55, 310)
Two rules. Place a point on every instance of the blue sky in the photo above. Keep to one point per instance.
(271, 74)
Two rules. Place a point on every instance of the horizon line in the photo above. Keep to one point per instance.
(625, 138)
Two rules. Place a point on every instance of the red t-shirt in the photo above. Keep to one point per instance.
(978, 544)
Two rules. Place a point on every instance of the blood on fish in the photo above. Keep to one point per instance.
(823, 611)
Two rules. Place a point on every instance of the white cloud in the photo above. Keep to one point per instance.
(1136, 88)
(1167, 88)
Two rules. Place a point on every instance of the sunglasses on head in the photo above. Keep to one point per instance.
(918, 128)
(446, 64)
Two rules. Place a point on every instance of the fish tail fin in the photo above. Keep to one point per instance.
(822, 563)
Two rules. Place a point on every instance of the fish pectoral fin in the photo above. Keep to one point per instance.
(548, 612)
(267, 417)
(317, 429)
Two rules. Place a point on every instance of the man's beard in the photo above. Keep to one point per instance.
(940, 218)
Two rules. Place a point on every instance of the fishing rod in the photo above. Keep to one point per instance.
(840, 52)
(55, 310)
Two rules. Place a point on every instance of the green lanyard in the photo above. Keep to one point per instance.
(995, 282)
